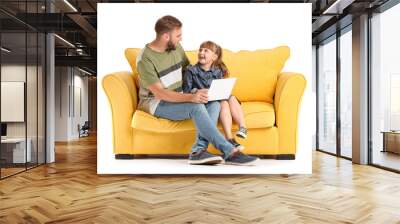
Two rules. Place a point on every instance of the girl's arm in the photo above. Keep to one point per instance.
(220, 74)
(187, 81)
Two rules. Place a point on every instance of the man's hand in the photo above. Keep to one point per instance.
(201, 96)
(171, 96)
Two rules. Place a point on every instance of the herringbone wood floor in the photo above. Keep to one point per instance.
(70, 191)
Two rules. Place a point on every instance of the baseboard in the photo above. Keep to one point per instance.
(286, 157)
(124, 156)
(183, 156)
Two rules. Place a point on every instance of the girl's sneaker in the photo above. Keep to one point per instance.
(236, 144)
(242, 132)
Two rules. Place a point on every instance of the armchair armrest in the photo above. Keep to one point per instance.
(289, 91)
(121, 91)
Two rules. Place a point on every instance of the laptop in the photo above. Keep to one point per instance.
(221, 89)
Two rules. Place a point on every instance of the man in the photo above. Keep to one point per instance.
(160, 65)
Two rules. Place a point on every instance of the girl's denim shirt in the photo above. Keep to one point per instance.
(196, 78)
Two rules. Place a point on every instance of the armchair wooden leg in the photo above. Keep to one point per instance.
(124, 156)
(286, 157)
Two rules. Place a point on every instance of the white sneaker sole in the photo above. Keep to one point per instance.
(208, 161)
(251, 163)
(241, 135)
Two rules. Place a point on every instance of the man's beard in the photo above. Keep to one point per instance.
(170, 46)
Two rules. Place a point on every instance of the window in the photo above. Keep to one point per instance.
(327, 96)
(346, 93)
(22, 66)
(385, 89)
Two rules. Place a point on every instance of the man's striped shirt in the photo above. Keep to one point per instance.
(155, 67)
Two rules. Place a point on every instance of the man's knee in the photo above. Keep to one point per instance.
(195, 107)
(214, 106)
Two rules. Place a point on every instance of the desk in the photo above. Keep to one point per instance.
(15, 148)
(391, 141)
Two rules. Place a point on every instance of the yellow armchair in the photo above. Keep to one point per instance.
(270, 100)
(121, 91)
(289, 90)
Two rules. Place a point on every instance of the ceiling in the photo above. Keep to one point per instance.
(76, 22)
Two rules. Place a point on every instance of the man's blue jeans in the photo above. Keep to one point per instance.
(205, 117)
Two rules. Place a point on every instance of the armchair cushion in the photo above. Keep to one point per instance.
(257, 115)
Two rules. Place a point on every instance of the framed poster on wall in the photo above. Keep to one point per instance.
(12, 101)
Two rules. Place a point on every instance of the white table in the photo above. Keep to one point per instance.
(18, 145)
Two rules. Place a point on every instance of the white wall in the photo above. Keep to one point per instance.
(62, 81)
(82, 82)
(79, 117)
(70, 83)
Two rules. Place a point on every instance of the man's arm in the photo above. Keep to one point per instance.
(171, 96)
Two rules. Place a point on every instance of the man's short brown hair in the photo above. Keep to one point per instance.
(166, 24)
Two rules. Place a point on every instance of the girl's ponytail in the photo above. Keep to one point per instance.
(219, 63)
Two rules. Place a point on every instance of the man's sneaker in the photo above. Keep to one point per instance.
(236, 144)
(202, 157)
(242, 132)
(238, 158)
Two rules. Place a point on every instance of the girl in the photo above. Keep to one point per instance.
(199, 76)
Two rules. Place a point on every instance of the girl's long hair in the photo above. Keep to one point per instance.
(218, 51)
